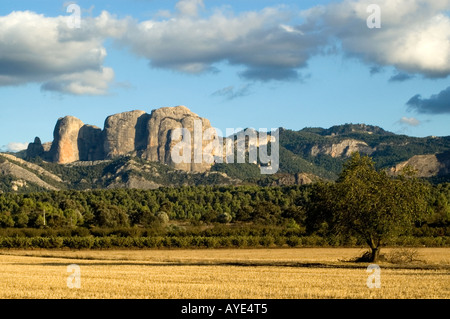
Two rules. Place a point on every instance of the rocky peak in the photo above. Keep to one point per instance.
(160, 126)
(35, 149)
(135, 132)
(124, 133)
(65, 140)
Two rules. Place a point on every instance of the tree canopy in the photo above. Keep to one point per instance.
(371, 204)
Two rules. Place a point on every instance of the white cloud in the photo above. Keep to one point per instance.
(189, 7)
(410, 121)
(265, 44)
(35, 48)
(414, 36)
(259, 41)
(83, 83)
(15, 147)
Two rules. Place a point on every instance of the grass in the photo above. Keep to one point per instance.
(220, 273)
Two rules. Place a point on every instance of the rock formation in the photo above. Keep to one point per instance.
(124, 133)
(65, 140)
(130, 133)
(90, 143)
(344, 148)
(162, 123)
(284, 179)
(35, 149)
(426, 165)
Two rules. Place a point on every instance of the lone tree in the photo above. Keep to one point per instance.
(372, 205)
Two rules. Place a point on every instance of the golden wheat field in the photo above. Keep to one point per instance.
(221, 273)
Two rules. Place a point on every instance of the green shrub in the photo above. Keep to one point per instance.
(239, 241)
(267, 241)
(15, 242)
(253, 241)
(121, 242)
(80, 232)
(102, 242)
(350, 241)
(293, 241)
(210, 242)
(78, 242)
(280, 241)
(225, 242)
(40, 242)
(312, 241)
(56, 242)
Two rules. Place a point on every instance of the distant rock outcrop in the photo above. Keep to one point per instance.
(294, 179)
(344, 148)
(65, 140)
(160, 126)
(35, 149)
(124, 133)
(90, 143)
(426, 165)
(130, 133)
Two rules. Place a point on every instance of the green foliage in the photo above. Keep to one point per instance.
(364, 203)
(242, 171)
(368, 203)
(391, 149)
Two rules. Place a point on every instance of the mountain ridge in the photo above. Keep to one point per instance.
(133, 150)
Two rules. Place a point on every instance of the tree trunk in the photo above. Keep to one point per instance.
(375, 254)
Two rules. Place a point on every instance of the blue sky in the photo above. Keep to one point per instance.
(246, 63)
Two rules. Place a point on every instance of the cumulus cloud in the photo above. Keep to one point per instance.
(414, 34)
(436, 104)
(231, 92)
(89, 82)
(414, 38)
(258, 41)
(264, 45)
(39, 49)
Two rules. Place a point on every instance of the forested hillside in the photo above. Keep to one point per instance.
(185, 216)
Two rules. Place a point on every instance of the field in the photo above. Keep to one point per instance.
(220, 273)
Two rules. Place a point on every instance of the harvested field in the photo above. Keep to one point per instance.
(220, 273)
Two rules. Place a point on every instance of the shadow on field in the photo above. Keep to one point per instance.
(329, 265)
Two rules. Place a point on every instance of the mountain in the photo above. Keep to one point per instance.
(328, 149)
(136, 133)
(134, 150)
(123, 172)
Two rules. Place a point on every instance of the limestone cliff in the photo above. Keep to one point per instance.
(343, 148)
(124, 133)
(90, 143)
(162, 123)
(65, 140)
(130, 133)
(426, 165)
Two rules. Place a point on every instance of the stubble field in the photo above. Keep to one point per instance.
(221, 273)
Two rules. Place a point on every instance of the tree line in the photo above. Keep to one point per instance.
(364, 206)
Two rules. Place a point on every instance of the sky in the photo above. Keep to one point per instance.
(245, 63)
